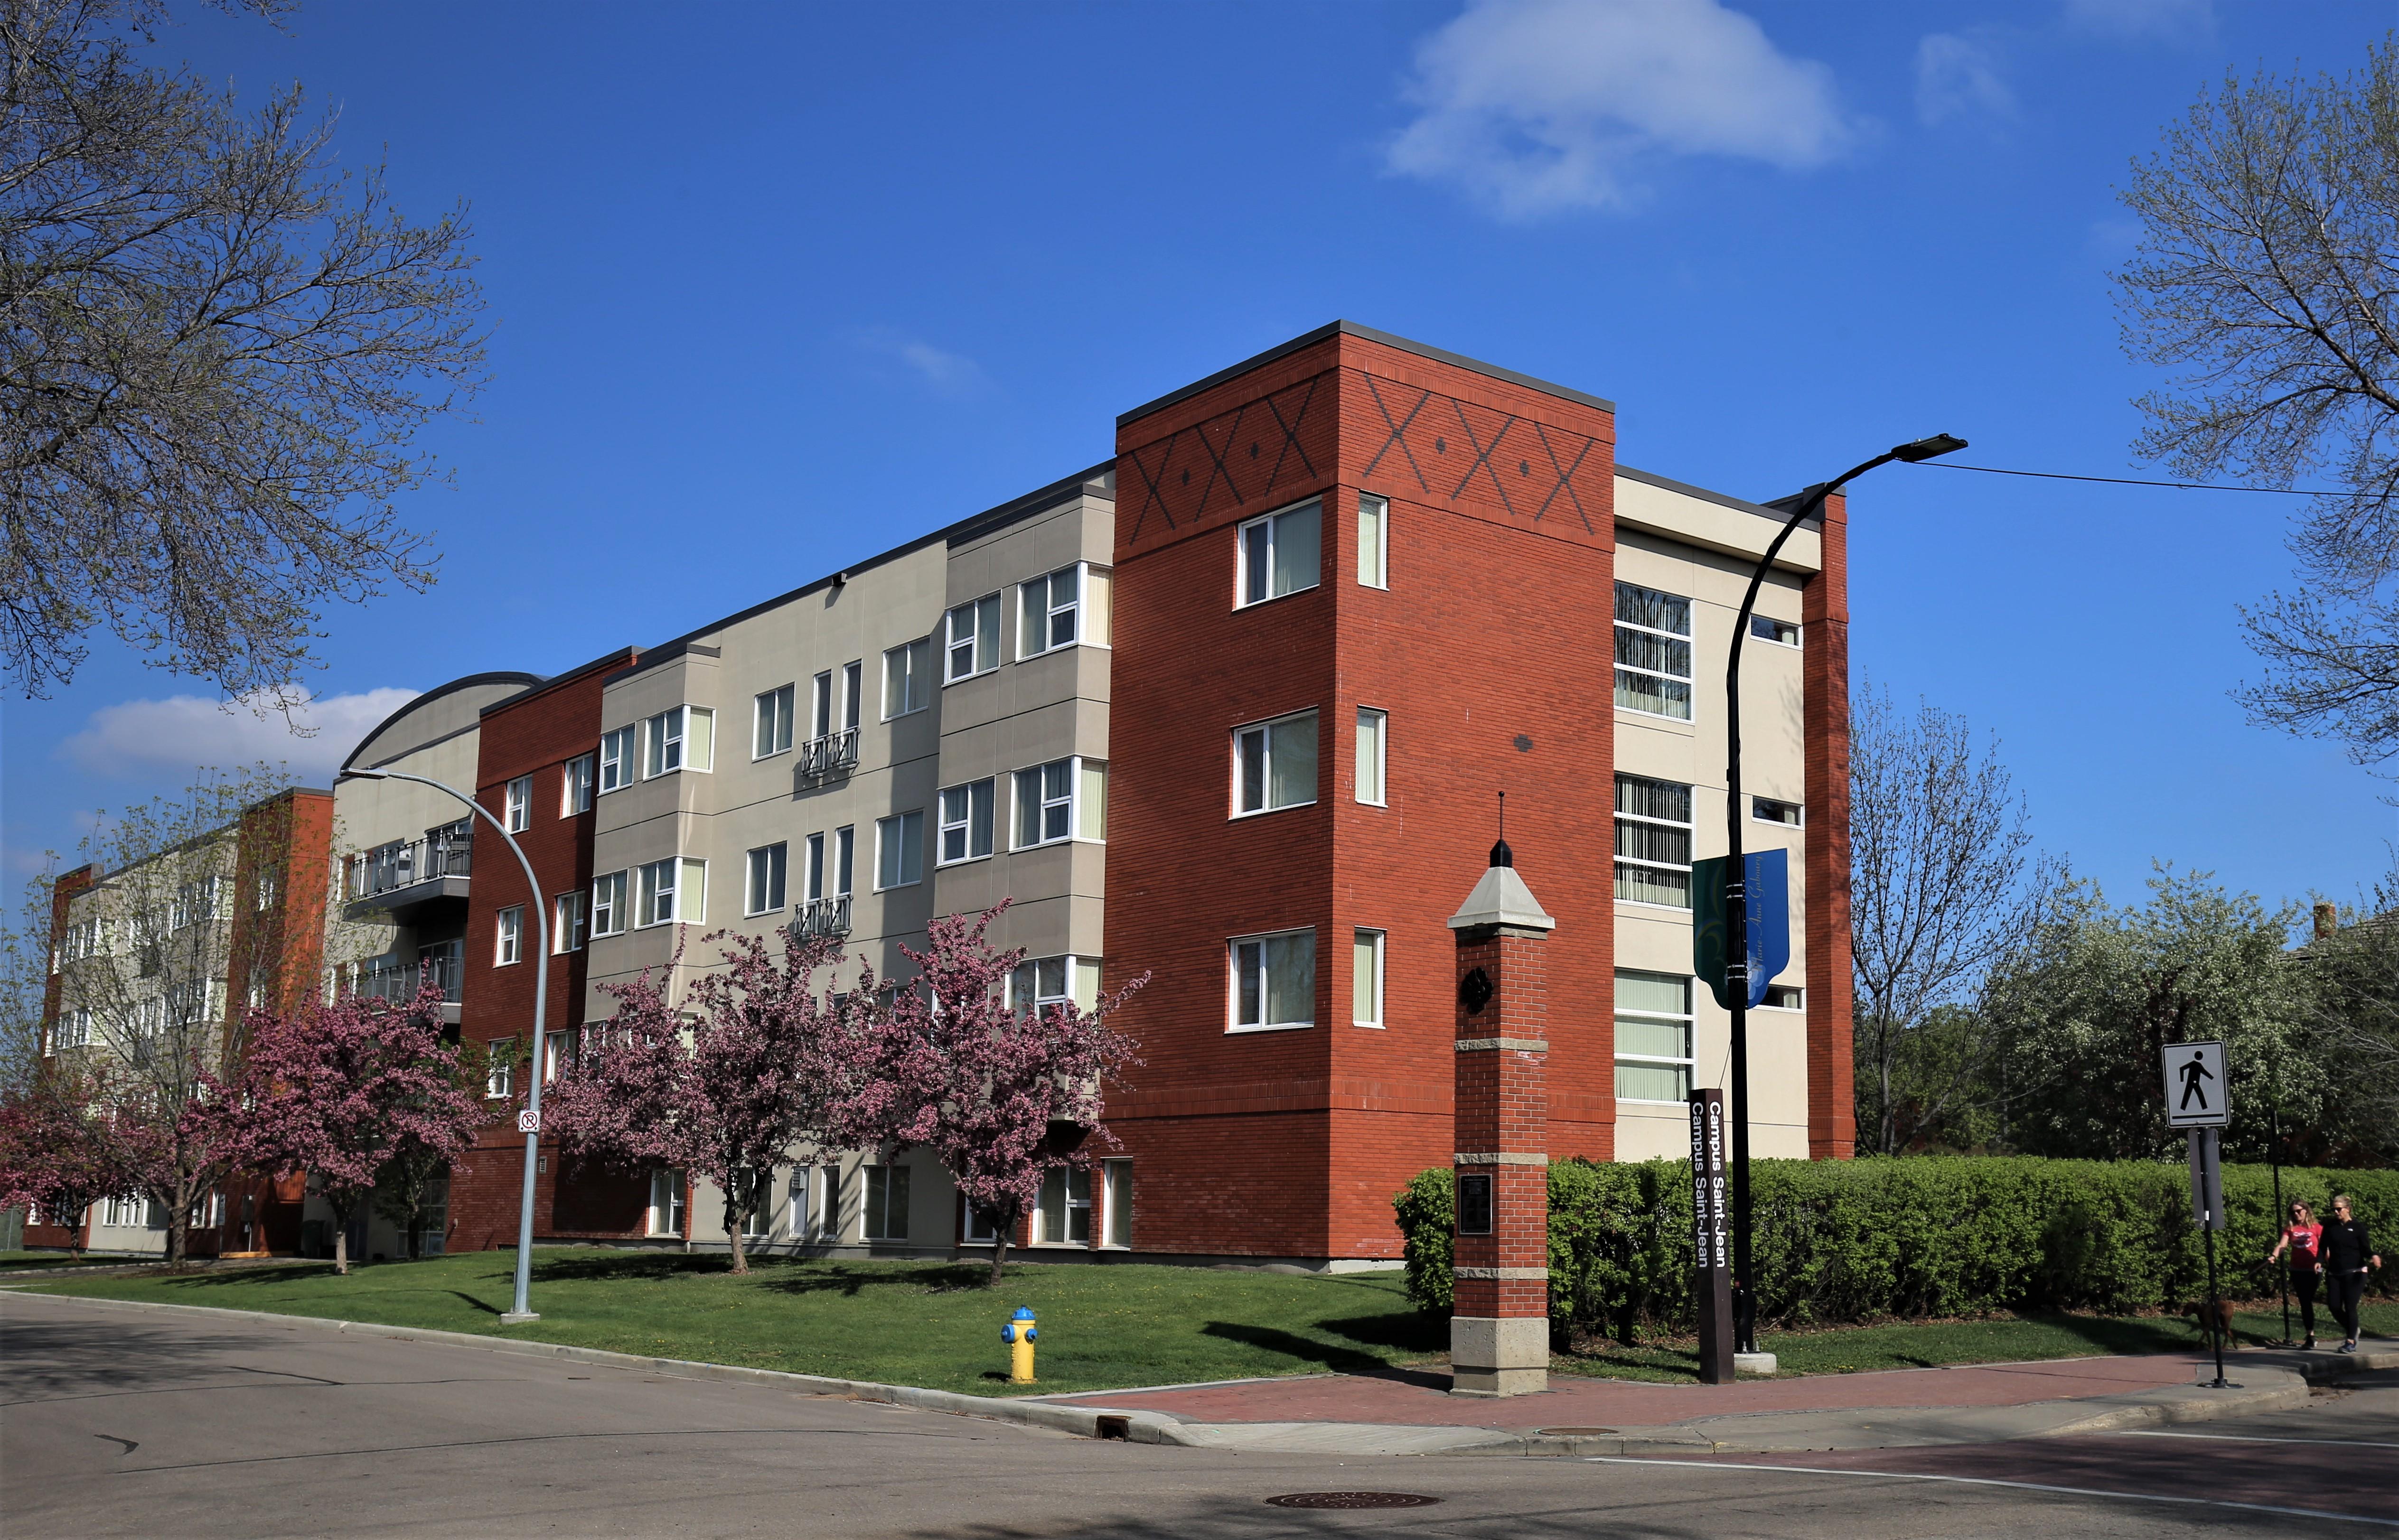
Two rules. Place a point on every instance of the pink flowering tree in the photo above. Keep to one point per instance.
(342, 1092)
(1001, 1096)
(61, 1148)
(751, 1063)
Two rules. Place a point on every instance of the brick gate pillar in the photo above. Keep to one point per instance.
(1500, 1320)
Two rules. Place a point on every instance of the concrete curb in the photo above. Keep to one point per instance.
(1141, 1427)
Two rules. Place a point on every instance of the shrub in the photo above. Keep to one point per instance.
(1859, 1240)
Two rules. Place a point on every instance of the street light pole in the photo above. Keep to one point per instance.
(522, 1311)
(1744, 1292)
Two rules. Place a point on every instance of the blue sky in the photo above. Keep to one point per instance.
(776, 286)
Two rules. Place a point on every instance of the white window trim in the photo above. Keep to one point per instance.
(1233, 982)
(1383, 770)
(1687, 910)
(1798, 631)
(1691, 1024)
(617, 911)
(747, 864)
(998, 821)
(900, 818)
(1382, 544)
(1691, 641)
(685, 874)
(628, 759)
(1241, 553)
(1075, 801)
(789, 733)
(1234, 741)
(1800, 809)
(1382, 1006)
(590, 763)
(1799, 990)
(516, 813)
(998, 598)
(906, 709)
(509, 935)
(562, 928)
(1081, 606)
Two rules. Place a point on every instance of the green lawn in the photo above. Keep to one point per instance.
(1102, 1326)
(19, 1262)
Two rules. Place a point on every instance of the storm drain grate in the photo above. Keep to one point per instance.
(1352, 1500)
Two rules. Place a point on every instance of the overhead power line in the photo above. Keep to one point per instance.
(2133, 481)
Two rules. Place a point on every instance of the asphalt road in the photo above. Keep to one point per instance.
(114, 1422)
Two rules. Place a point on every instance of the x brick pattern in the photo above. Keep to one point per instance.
(1234, 461)
(1460, 452)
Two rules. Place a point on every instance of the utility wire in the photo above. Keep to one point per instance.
(2131, 481)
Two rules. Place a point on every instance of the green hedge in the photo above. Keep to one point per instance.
(1874, 1239)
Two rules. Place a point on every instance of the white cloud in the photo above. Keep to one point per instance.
(1956, 76)
(183, 732)
(947, 374)
(2193, 19)
(1534, 106)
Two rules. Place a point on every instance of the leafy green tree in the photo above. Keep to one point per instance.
(2350, 1022)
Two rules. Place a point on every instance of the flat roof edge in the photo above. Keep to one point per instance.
(1353, 329)
(1763, 510)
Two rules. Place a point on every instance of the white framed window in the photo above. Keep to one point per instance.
(1653, 842)
(1063, 800)
(1374, 541)
(553, 1056)
(1274, 981)
(500, 1070)
(575, 787)
(1115, 1230)
(266, 892)
(519, 806)
(674, 889)
(1065, 607)
(814, 868)
(885, 1216)
(667, 1211)
(767, 872)
(821, 705)
(1366, 978)
(508, 936)
(1042, 981)
(853, 691)
(1784, 997)
(975, 1229)
(619, 759)
(900, 849)
(1062, 1214)
(570, 924)
(972, 632)
(1274, 764)
(1782, 633)
(759, 1217)
(681, 737)
(803, 1202)
(771, 722)
(1374, 732)
(1768, 810)
(1653, 651)
(967, 821)
(1653, 1036)
(1277, 554)
(610, 909)
(844, 860)
(908, 679)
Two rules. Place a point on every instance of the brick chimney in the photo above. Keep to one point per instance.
(2327, 919)
(1500, 1320)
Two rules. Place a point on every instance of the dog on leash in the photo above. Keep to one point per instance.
(2201, 1311)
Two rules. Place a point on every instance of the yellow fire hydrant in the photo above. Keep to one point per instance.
(1018, 1333)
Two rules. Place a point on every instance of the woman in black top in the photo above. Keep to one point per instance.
(2343, 1255)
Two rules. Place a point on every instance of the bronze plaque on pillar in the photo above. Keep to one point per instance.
(1710, 1258)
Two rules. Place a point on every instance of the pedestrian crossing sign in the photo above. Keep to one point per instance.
(2195, 1090)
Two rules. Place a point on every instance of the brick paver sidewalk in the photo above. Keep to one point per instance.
(1421, 1399)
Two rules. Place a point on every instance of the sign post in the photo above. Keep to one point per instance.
(2196, 1101)
(1711, 1269)
(1738, 970)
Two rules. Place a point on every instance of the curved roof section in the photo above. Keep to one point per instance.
(436, 714)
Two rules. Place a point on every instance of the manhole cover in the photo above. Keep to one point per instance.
(1575, 1432)
(1352, 1500)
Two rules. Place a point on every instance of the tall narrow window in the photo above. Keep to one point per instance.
(1373, 726)
(1063, 1215)
(1098, 605)
(611, 909)
(821, 705)
(509, 937)
(886, 1203)
(1653, 842)
(666, 743)
(773, 734)
(967, 820)
(519, 805)
(659, 892)
(1366, 979)
(1118, 1181)
(1653, 1037)
(1274, 764)
(665, 1203)
(574, 793)
(907, 679)
(853, 687)
(1653, 651)
(1045, 803)
(1274, 981)
(616, 759)
(1279, 554)
(973, 632)
(813, 868)
(499, 1074)
(844, 851)
(570, 922)
(766, 864)
(1048, 609)
(900, 849)
(1374, 532)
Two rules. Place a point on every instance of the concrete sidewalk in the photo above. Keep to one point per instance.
(1412, 1413)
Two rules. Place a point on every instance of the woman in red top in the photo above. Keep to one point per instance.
(2303, 1237)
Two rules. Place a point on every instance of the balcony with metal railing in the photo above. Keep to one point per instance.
(397, 979)
(822, 916)
(404, 874)
(835, 753)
